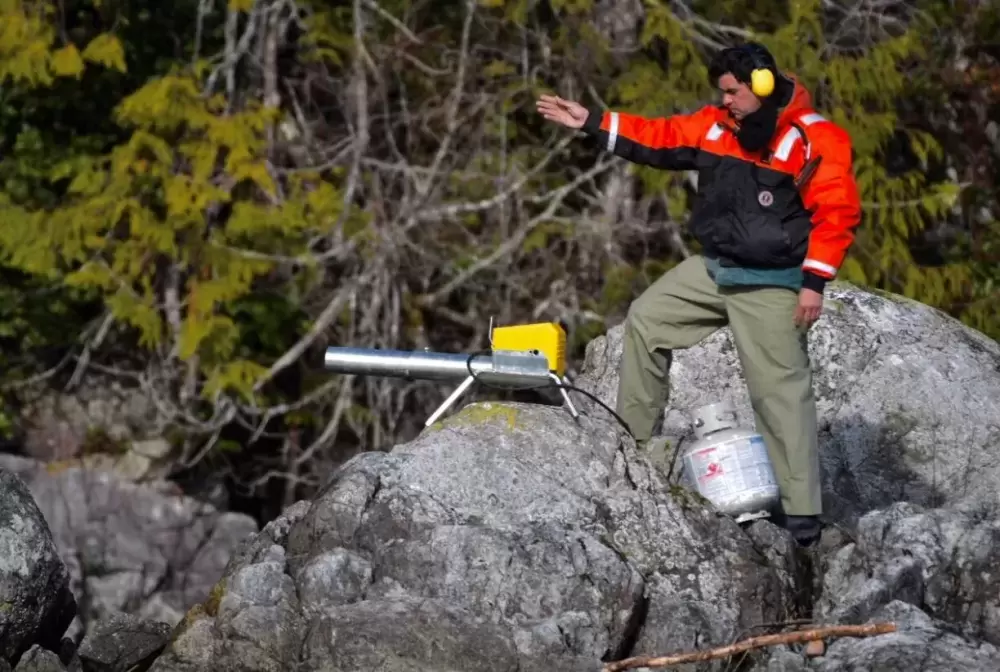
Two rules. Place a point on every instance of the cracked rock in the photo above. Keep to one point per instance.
(121, 642)
(947, 562)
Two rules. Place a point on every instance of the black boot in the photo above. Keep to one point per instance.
(805, 530)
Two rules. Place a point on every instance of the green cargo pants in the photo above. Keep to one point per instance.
(685, 306)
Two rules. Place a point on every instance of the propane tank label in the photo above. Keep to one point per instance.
(732, 467)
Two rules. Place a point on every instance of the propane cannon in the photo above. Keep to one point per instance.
(522, 356)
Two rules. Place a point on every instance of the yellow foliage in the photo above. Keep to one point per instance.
(66, 62)
(238, 376)
(164, 104)
(26, 47)
(107, 50)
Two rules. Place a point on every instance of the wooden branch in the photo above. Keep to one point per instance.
(796, 637)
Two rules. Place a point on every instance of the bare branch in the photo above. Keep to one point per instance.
(555, 199)
(797, 637)
(455, 100)
(92, 345)
(371, 4)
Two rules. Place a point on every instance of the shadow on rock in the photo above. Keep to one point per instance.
(868, 466)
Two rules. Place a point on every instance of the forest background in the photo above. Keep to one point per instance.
(199, 196)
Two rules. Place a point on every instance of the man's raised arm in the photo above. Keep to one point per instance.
(662, 142)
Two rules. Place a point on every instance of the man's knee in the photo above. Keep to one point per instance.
(639, 316)
(774, 367)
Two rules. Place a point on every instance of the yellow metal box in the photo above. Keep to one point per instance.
(548, 338)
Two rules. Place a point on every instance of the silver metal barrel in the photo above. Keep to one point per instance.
(425, 365)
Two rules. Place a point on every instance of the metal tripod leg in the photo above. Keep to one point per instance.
(449, 401)
(565, 395)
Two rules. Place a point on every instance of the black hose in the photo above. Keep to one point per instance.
(544, 386)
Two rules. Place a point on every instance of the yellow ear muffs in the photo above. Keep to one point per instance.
(762, 82)
(761, 78)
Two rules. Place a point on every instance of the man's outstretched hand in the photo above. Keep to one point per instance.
(809, 309)
(565, 112)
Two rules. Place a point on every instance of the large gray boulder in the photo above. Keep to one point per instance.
(909, 401)
(36, 604)
(509, 537)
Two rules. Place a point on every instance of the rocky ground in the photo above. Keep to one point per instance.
(511, 538)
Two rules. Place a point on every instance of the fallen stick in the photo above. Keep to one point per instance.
(797, 637)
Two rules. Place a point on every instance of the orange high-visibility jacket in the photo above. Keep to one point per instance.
(749, 211)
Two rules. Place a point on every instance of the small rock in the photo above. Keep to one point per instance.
(920, 643)
(814, 648)
(121, 641)
(38, 659)
(783, 660)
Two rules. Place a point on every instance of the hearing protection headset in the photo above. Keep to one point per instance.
(761, 77)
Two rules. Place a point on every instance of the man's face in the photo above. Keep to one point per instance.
(737, 97)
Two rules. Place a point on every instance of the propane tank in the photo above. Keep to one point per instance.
(729, 465)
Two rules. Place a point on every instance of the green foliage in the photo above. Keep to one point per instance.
(27, 56)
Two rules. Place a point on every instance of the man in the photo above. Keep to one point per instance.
(775, 214)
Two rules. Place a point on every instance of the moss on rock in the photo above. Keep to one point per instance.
(480, 414)
(687, 497)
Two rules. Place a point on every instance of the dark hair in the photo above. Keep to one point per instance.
(739, 62)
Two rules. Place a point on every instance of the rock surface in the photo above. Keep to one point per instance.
(37, 659)
(135, 548)
(58, 425)
(945, 562)
(507, 538)
(921, 643)
(908, 398)
(122, 642)
(36, 605)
